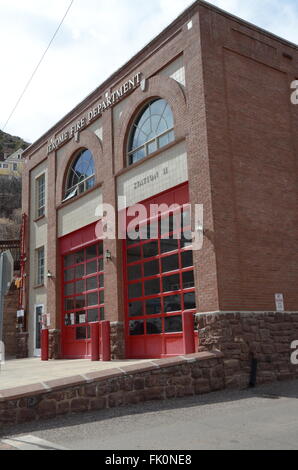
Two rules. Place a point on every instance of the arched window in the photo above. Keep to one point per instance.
(81, 175)
(153, 129)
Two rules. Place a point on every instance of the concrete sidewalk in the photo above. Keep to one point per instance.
(22, 372)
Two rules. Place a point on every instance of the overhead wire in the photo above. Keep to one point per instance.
(37, 66)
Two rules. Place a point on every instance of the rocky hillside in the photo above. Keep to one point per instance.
(10, 191)
(10, 207)
(10, 144)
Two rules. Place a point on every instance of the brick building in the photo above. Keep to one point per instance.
(202, 115)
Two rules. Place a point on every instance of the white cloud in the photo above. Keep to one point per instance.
(273, 15)
(95, 40)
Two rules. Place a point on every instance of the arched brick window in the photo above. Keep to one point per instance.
(81, 175)
(152, 130)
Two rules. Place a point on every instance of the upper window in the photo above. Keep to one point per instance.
(40, 196)
(153, 129)
(81, 176)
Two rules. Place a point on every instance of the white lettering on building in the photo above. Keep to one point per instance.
(110, 100)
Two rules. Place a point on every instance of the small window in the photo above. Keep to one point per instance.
(81, 176)
(40, 271)
(40, 196)
(153, 129)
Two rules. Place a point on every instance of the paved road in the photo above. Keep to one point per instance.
(263, 418)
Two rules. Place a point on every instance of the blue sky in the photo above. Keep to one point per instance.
(97, 38)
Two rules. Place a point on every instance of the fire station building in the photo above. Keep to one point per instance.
(201, 116)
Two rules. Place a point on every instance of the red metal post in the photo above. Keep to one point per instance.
(94, 341)
(188, 333)
(44, 345)
(105, 341)
(22, 291)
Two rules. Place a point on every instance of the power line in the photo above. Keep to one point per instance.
(38, 65)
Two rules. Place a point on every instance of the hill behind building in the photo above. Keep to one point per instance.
(10, 190)
(10, 144)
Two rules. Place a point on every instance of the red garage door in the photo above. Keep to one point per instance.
(83, 291)
(159, 280)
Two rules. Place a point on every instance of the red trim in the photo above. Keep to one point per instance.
(80, 238)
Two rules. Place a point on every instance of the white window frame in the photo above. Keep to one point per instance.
(78, 189)
(145, 146)
(81, 187)
(40, 276)
(40, 196)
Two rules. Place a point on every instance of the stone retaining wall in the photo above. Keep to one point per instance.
(266, 337)
(156, 380)
(230, 341)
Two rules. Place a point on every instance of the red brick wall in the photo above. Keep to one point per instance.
(253, 147)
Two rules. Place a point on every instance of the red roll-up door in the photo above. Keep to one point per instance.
(159, 279)
(82, 292)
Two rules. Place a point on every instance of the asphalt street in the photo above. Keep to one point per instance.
(262, 418)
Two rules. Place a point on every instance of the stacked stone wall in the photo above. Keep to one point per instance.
(265, 337)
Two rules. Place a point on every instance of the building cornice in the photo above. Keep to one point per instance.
(167, 34)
